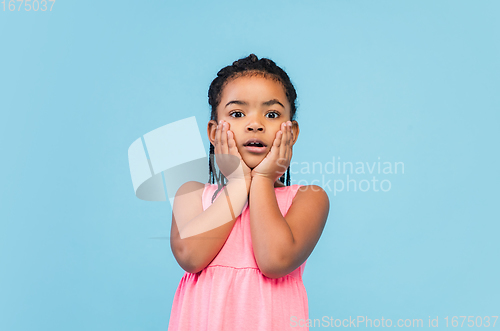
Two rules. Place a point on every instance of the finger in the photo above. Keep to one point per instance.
(231, 143)
(233, 149)
(220, 137)
(289, 133)
(283, 142)
(283, 135)
(223, 140)
(286, 146)
(279, 148)
(217, 139)
(278, 140)
(289, 140)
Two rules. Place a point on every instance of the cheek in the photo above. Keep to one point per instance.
(238, 142)
(275, 130)
(234, 129)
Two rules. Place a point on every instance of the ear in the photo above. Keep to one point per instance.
(295, 131)
(211, 129)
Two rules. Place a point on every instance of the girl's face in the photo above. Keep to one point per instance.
(254, 107)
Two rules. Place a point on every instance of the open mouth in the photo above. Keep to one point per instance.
(254, 142)
(255, 146)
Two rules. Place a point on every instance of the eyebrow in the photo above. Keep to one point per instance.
(266, 103)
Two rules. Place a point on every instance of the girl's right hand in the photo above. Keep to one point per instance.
(227, 156)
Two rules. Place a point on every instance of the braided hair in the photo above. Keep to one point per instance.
(249, 66)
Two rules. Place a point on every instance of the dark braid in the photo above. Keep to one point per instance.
(282, 178)
(248, 67)
(221, 179)
(210, 162)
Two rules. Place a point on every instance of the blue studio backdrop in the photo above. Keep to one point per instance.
(398, 108)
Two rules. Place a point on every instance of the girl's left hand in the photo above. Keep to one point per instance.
(276, 162)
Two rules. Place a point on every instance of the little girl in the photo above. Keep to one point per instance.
(244, 240)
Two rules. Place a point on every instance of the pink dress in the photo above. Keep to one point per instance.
(231, 293)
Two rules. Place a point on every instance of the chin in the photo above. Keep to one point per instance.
(252, 160)
(252, 163)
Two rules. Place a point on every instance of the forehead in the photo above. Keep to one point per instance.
(253, 89)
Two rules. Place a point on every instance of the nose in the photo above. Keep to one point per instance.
(254, 126)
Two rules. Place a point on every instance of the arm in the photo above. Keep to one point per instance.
(282, 244)
(196, 235)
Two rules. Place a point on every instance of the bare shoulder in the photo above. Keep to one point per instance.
(189, 187)
(189, 197)
(311, 203)
(312, 193)
(188, 201)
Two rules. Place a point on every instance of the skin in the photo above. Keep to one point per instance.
(280, 244)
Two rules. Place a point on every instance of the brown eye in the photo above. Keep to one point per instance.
(236, 114)
(273, 114)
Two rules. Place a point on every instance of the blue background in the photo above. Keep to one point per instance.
(404, 81)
